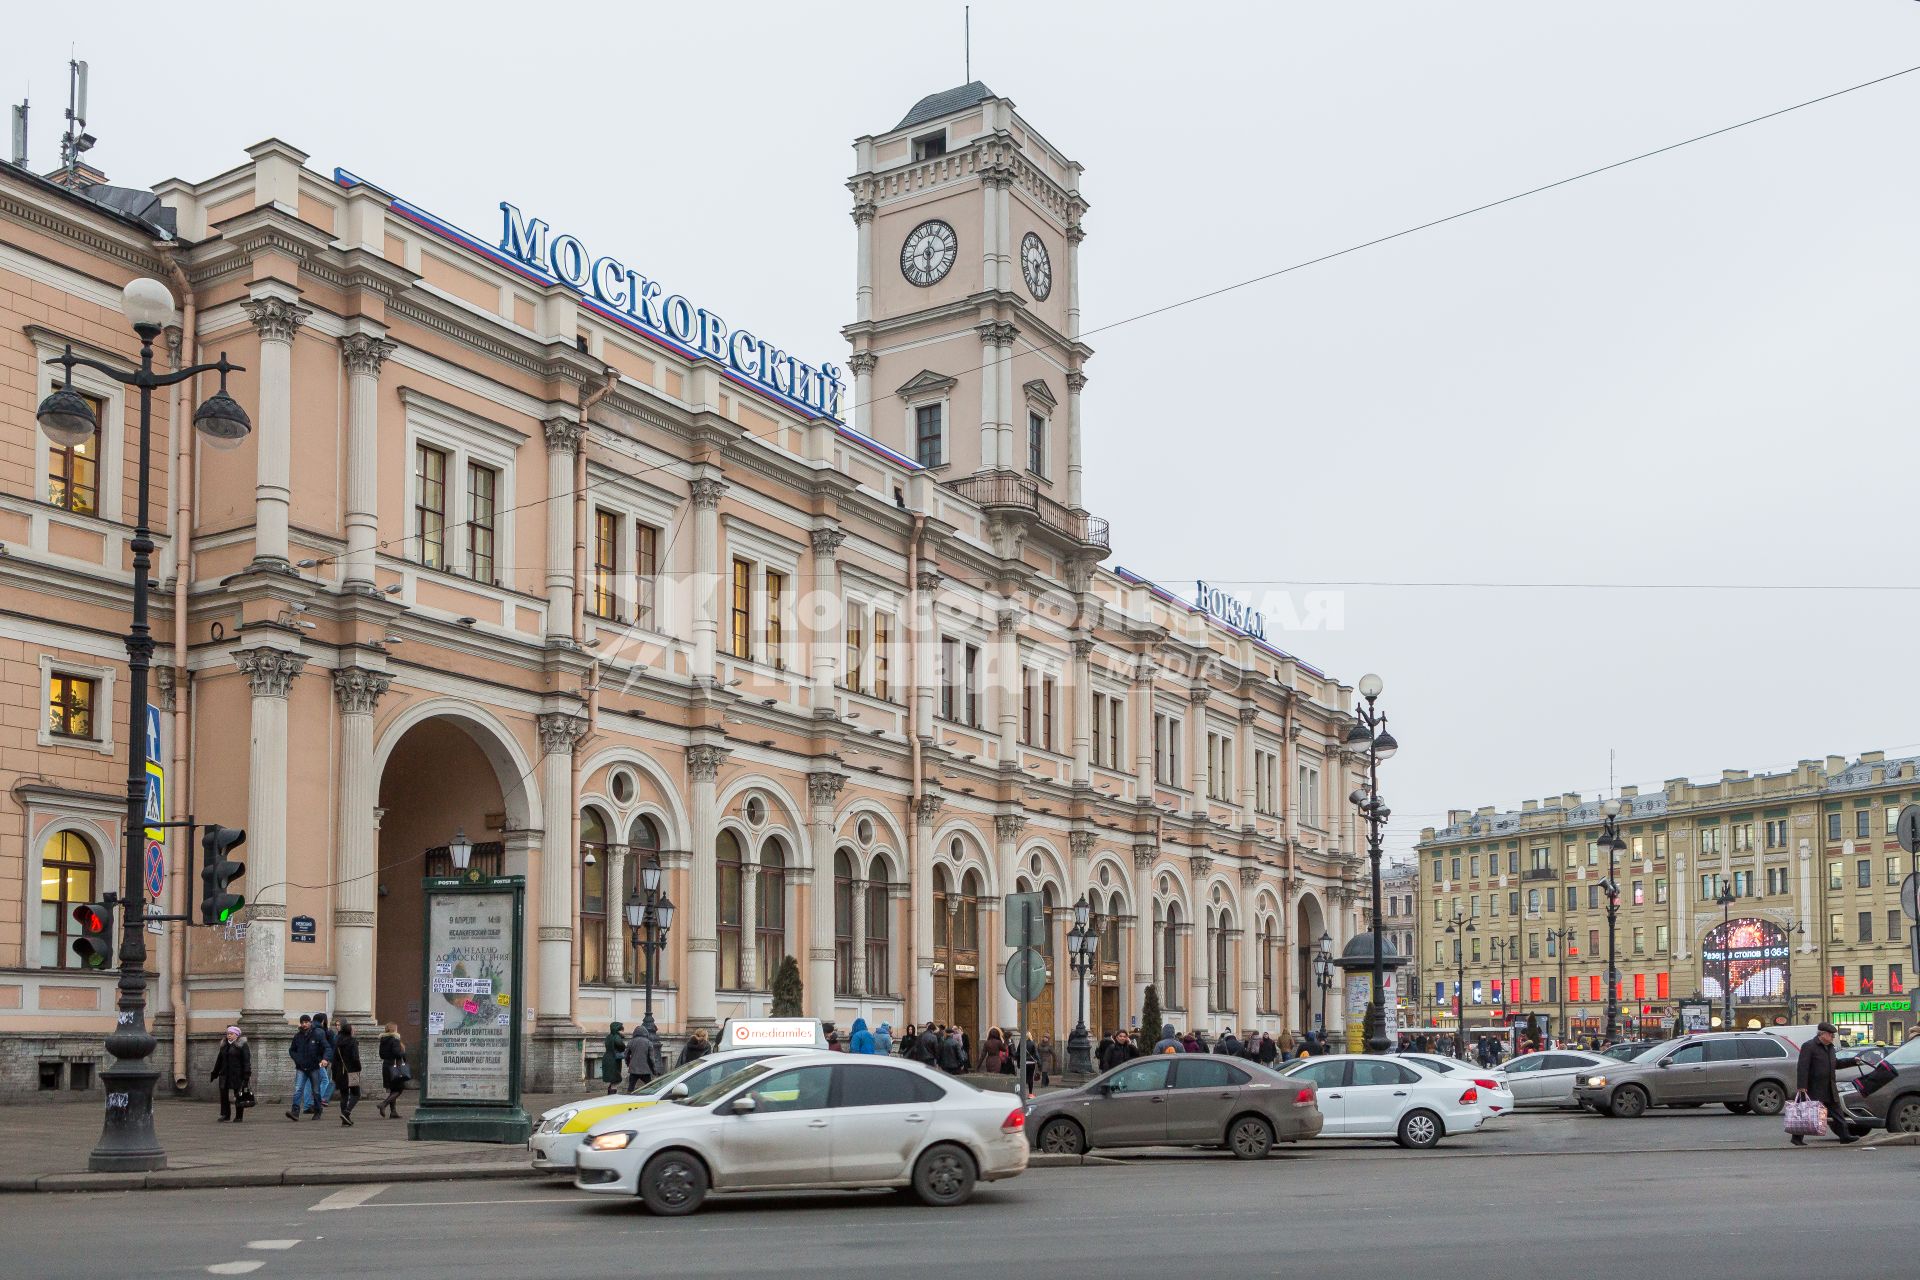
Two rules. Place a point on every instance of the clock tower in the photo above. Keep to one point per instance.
(966, 335)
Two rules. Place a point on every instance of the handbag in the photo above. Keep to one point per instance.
(1805, 1117)
(1878, 1076)
(353, 1079)
(245, 1097)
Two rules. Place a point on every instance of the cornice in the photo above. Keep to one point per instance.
(129, 250)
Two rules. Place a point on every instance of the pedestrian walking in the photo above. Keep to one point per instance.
(697, 1047)
(1816, 1082)
(321, 1029)
(613, 1055)
(394, 1071)
(1103, 1050)
(644, 1059)
(861, 1041)
(925, 1047)
(993, 1053)
(1269, 1052)
(1049, 1060)
(1168, 1041)
(953, 1052)
(883, 1040)
(233, 1068)
(346, 1072)
(310, 1062)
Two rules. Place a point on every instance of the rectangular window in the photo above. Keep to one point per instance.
(776, 606)
(949, 676)
(1639, 940)
(1593, 944)
(606, 564)
(972, 686)
(483, 486)
(1862, 823)
(646, 550)
(1660, 938)
(1837, 980)
(856, 647)
(1036, 444)
(1742, 835)
(1866, 926)
(1593, 897)
(1026, 705)
(740, 611)
(1473, 867)
(882, 642)
(73, 472)
(1863, 873)
(1593, 853)
(1639, 894)
(1710, 841)
(1833, 828)
(1049, 695)
(928, 448)
(1866, 979)
(70, 706)
(1776, 879)
(1836, 875)
(1893, 871)
(1456, 868)
(430, 504)
(1513, 861)
(1659, 891)
(1743, 884)
(1896, 980)
(1893, 819)
(1513, 903)
(1835, 933)
(1893, 925)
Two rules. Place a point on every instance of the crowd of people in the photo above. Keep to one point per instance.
(326, 1066)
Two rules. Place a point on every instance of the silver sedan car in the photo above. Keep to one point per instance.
(1548, 1078)
(809, 1121)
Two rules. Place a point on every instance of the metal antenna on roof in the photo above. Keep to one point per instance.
(968, 11)
(19, 152)
(77, 139)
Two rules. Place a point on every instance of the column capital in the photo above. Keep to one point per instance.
(1143, 856)
(364, 353)
(270, 672)
(864, 211)
(926, 809)
(862, 361)
(1199, 864)
(706, 492)
(1081, 843)
(358, 689)
(1249, 877)
(1082, 648)
(163, 682)
(824, 788)
(1008, 826)
(560, 731)
(1008, 621)
(929, 579)
(1199, 695)
(827, 541)
(1249, 714)
(1076, 381)
(703, 762)
(563, 434)
(275, 319)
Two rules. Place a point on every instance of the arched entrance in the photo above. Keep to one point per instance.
(1308, 928)
(440, 774)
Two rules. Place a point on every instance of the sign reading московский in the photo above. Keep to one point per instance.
(617, 287)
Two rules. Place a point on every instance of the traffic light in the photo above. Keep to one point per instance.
(94, 946)
(217, 905)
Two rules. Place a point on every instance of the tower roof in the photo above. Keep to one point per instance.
(947, 101)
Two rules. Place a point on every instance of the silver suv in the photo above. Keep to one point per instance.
(1746, 1071)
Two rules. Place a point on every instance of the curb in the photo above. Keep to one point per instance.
(1057, 1160)
(1893, 1140)
(196, 1179)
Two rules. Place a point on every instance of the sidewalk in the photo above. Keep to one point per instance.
(44, 1146)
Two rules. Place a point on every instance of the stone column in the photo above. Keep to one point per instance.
(1143, 957)
(926, 814)
(563, 442)
(1009, 686)
(1251, 961)
(276, 319)
(927, 652)
(1200, 963)
(703, 906)
(1243, 748)
(824, 615)
(270, 675)
(706, 584)
(1076, 455)
(559, 732)
(993, 952)
(749, 902)
(863, 211)
(989, 393)
(364, 353)
(859, 922)
(1197, 745)
(356, 895)
(1141, 714)
(823, 790)
(862, 363)
(615, 963)
(1082, 712)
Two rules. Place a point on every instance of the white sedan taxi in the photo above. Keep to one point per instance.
(812, 1121)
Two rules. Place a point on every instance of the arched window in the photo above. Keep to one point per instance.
(1158, 949)
(643, 846)
(770, 912)
(66, 878)
(1223, 963)
(1269, 993)
(593, 896)
(942, 891)
(1049, 903)
(843, 922)
(729, 859)
(878, 908)
(1170, 960)
(971, 891)
(1110, 931)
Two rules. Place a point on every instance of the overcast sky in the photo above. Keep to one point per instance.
(1698, 369)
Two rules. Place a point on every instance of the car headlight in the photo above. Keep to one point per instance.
(611, 1141)
(1596, 1082)
(555, 1123)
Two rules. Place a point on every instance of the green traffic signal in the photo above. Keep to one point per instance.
(217, 873)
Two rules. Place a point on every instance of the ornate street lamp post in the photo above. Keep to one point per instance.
(649, 916)
(1369, 739)
(1083, 945)
(128, 1142)
(1459, 927)
(1501, 947)
(1725, 902)
(1558, 939)
(1610, 841)
(1323, 975)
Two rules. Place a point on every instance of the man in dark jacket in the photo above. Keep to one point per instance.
(644, 1059)
(1228, 1044)
(1816, 1079)
(925, 1047)
(953, 1053)
(310, 1059)
(1168, 1042)
(1269, 1050)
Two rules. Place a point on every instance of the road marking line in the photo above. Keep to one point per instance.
(235, 1268)
(350, 1197)
(271, 1244)
(434, 1204)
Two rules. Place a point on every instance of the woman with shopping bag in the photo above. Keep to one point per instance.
(1817, 1105)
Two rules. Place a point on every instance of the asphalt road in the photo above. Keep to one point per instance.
(1347, 1209)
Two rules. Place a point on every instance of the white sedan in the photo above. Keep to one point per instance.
(562, 1129)
(1363, 1096)
(808, 1122)
(1548, 1079)
(1497, 1095)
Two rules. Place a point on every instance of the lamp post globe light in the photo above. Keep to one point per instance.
(1725, 902)
(1323, 975)
(1500, 948)
(1370, 741)
(1557, 939)
(649, 916)
(128, 1142)
(1459, 927)
(1083, 946)
(1610, 841)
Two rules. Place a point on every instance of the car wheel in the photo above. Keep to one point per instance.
(1739, 1108)
(1629, 1101)
(1767, 1098)
(1249, 1138)
(943, 1177)
(673, 1183)
(1418, 1130)
(1904, 1115)
(1062, 1137)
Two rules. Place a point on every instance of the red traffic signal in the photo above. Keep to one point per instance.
(94, 946)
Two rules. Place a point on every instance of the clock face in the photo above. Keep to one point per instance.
(1036, 267)
(928, 253)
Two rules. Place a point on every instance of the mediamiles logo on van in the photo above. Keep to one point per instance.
(752, 1034)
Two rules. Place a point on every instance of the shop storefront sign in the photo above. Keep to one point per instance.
(1886, 1006)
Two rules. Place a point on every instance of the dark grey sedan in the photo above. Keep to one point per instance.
(1176, 1099)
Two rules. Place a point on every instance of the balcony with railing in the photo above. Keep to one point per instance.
(1006, 491)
